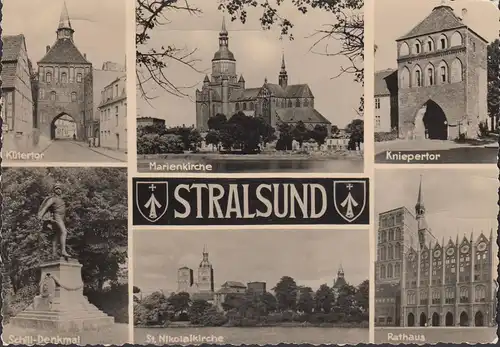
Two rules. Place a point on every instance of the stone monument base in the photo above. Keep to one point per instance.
(61, 305)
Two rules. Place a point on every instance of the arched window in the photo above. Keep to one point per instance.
(436, 297)
(244, 106)
(429, 45)
(450, 295)
(382, 271)
(290, 103)
(410, 298)
(390, 274)
(53, 96)
(429, 77)
(397, 250)
(78, 77)
(73, 96)
(443, 72)
(306, 102)
(480, 294)
(237, 106)
(423, 297)
(405, 78)
(283, 103)
(417, 76)
(443, 42)
(456, 71)
(384, 236)
(464, 295)
(64, 77)
(456, 39)
(390, 250)
(252, 106)
(398, 234)
(417, 47)
(404, 49)
(48, 77)
(391, 235)
(383, 253)
(297, 103)
(397, 270)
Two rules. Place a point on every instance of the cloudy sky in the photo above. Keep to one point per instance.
(258, 55)
(394, 18)
(311, 257)
(99, 26)
(456, 201)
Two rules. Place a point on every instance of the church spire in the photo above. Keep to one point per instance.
(419, 206)
(64, 29)
(340, 272)
(283, 76)
(223, 35)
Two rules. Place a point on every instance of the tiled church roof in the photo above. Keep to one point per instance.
(381, 82)
(64, 51)
(440, 19)
(244, 94)
(304, 114)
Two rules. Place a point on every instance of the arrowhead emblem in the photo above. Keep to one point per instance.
(151, 199)
(349, 198)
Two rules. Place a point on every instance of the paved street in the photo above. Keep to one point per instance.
(68, 151)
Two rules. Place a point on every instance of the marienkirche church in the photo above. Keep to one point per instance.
(278, 103)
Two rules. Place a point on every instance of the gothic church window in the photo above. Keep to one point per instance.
(78, 77)
(237, 106)
(306, 103)
(416, 47)
(64, 77)
(73, 96)
(429, 45)
(464, 295)
(450, 295)
(397, 250)
(391, 253)
(456, 39)
(397, 270)
(480, 294)
(290, 103)
(405, 78)
(404, 50)
(391, 232)
(417, 75)
(430, 76)
(456, 71)
(436, 297)
(382, 271)
(443, 42)
(48, 77)
(389, 271)
(53, 96)
(252, 106)
(423, 298)
(297, 103)
(443, 72)
(244, 106)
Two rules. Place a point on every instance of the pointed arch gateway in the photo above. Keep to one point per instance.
(431, 122)
(449, 319)
(66, 119)
(423, 319)
(411, 320)
(435, 319)
(478, 319)
(464, 319)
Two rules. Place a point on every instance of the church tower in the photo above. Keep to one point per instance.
(339, 282)
(65, 83)
(283, 76)
(224, 63)
(205, 274)
(422, 227)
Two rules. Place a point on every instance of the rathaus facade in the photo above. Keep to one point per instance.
(420, 281)
(225, 93)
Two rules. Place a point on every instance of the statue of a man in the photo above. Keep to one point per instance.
(52, 212)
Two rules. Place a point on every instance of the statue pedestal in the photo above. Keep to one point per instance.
(61, 306)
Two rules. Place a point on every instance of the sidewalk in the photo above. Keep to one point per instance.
(113, 154)
(24, 144)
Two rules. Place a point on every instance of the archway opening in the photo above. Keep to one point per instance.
(464, 319)
(449, 319)
(411, 320)
(435, 319)
(63, 127)
(423, 319)
(479, 319)
(435, 122)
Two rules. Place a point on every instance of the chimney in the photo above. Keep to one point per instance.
(85, 55)
(464, 13)
(47, 49)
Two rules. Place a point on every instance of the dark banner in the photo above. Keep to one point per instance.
(206, 201)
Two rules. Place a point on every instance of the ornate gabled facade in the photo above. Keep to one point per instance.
(442, 79)
(65, 77)
(422, 282)
(225, 93)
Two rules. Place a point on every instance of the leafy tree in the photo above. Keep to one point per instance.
(362, 295)
(286, 293)
(179, 302)
(96, 218)
(197, 310)
(319, 134)
(136, 290)
(493, 58)
(324, 299)
(153, 62)
(217, 122)
(212, 138)
(300, 133)
(306, 300)
(270, 301)
(152, 310)
(356, 131)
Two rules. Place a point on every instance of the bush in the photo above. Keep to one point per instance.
(461, 138)
(386, 136)
(483, 129)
